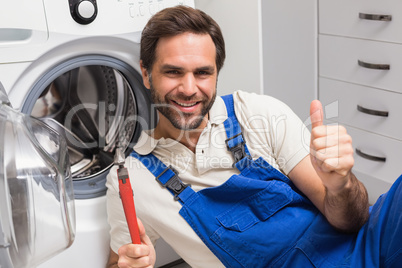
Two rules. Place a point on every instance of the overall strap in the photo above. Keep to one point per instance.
(235, 142)
(165, 176)
(168, 176)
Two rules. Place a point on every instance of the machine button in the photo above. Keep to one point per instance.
(83, 12)
(86, 9)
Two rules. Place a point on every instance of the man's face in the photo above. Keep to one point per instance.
(183, 79)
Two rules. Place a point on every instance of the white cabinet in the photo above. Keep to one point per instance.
(340, 58)
(342, 18)
(360, 67)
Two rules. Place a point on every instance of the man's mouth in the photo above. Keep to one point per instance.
(187, 104)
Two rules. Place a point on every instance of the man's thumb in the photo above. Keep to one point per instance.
(316, 113)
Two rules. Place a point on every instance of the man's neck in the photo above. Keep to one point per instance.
(188, 138)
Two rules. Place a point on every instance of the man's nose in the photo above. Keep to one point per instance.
(188, 84)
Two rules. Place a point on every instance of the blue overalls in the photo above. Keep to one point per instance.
(260, 219)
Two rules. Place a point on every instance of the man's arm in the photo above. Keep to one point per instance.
(346, 211)
(326, 178)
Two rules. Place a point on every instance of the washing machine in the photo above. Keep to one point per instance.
(74, 64)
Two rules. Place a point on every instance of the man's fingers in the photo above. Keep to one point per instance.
(137, 255)
(144, 237)
(141, 228)
(134, 255)
(335, 158)
(328, 137)
(136, 251)
(316, 113)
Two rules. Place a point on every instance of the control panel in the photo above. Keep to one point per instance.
(149, 8)
(103, 17)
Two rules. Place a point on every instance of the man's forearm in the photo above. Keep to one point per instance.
(348, 210)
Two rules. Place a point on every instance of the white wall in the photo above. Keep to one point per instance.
(271, 48)
(241, 29)
(289, 30)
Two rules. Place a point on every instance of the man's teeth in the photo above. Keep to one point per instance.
(186, 104)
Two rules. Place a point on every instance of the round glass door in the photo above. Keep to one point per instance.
(97, 108)
(92, 106)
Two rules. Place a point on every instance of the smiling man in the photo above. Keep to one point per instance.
(229, 181)
(184, 74)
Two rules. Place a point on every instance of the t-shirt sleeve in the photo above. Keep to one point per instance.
(272, 130)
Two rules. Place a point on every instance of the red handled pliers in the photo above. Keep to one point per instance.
(127, 196)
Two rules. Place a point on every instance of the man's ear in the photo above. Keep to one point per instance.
(145, 76)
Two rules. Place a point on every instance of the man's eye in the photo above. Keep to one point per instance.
(172, 72)
(203, 73)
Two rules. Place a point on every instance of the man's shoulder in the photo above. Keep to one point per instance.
(251, 103)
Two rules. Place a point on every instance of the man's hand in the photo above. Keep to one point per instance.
(132, 255)
(331, 151)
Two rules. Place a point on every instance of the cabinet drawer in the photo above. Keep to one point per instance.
(377, 175)
(374, 104)
(374, 186)
(339, 59)
(341, 17)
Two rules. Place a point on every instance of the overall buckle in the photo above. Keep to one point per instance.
(238, 151)
(174, 184)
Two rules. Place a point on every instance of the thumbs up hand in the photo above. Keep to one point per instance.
(331, 151)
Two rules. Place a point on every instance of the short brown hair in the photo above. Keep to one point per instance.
(177, 20)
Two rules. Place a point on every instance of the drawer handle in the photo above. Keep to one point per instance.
(379, 17)
(370, 157)
(372, 112)
(374, 65)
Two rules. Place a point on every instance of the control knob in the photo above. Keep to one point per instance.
(83, 11)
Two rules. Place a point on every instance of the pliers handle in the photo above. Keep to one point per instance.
(127, 198)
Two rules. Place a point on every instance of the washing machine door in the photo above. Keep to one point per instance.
(98, 104)
(37, 217)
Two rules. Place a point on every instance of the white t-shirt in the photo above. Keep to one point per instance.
(271, 130)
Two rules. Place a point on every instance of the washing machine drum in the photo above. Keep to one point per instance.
(95, 108)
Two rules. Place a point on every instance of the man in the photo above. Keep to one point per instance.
(239, 211)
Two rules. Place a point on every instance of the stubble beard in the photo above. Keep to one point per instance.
(180, 120)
